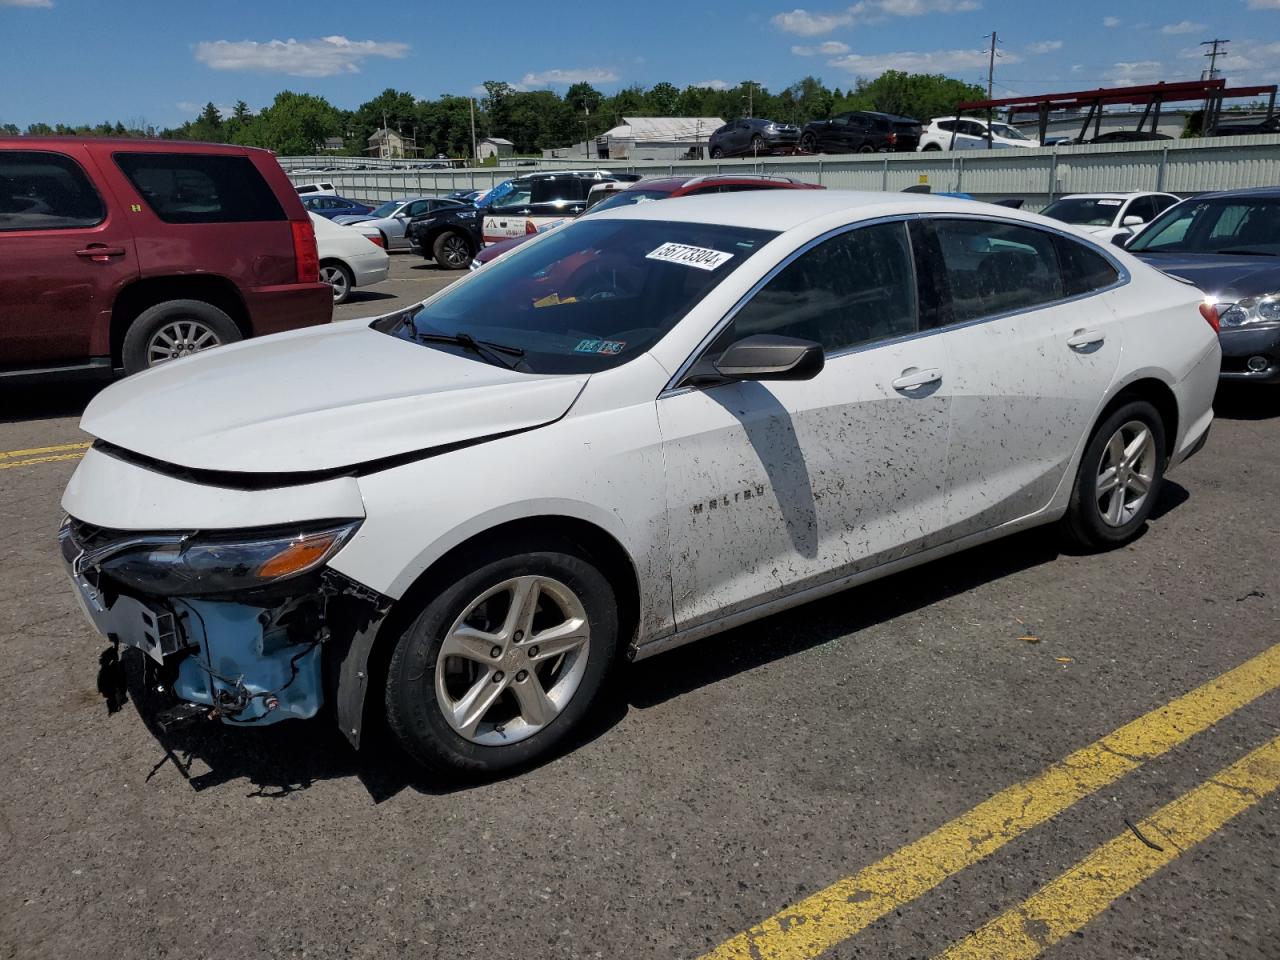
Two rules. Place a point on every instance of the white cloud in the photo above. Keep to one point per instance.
(713, 84)
(1111, 21)
(828, 48)
(26, 3)
(190, 106)
(1045, 46)
(568, 77)
(1249, 61)
(917, 61)
(1264, 4)
(324, 57)
(806, 24)
(1134, 72)
(1182, 26)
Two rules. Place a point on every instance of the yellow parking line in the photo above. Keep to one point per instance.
(1066, 904)
(58, 448)
(826, 918)
(10, 464)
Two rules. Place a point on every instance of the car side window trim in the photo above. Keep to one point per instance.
(676, 385)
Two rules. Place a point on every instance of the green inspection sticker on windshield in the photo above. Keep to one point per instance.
(703, 258)
(610, 348)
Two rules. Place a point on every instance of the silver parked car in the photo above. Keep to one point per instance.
(393, 216)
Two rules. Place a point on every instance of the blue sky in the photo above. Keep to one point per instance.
(76, 61)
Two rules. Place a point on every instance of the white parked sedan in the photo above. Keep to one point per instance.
(1109, 215)
(647, 426)
(350, 257)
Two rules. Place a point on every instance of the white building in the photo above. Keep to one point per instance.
(494, 147)
(646, 138)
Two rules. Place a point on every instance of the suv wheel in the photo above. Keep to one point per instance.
(1119, 478)
(174, 329)
(930, 147)
(757, 143)
(717, 153)
(809, 143)
(337, 275)
(866, 148)
(451, 251)
(500, 666)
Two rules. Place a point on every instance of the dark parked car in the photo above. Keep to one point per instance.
(450, 234)
(749, 136)
(1228, 245)
(128, 253)
(329, 207)
(861, 131)
(1240, 129)
(1127, 136)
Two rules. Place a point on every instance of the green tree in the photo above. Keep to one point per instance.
(663, 100)
(11, 129)
(294, 124)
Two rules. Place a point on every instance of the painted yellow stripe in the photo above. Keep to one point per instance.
(824, 919)
(10, 464)
(1066, 904)
(57, 448)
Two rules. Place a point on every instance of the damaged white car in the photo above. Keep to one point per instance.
(645, 427)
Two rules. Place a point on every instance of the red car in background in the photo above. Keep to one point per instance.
(128, 253)
(664, 188)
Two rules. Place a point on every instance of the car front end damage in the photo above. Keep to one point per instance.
(247, 626)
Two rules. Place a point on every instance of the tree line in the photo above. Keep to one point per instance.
(534, 120)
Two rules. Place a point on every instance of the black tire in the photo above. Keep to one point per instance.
(346, 282)
(452, 251)
(414, 711)
(931, 148)
(866, 148)
(717, 153)
(809, 143)
(757, 143)
(1084, 523)
(137, 353)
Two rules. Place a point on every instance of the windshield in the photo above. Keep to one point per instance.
(1085, 211)
(590, 296)
(626, 198)
(1223, 225)
(386, 210)
(1008, 132)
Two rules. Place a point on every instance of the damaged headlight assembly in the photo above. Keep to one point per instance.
(220, 563)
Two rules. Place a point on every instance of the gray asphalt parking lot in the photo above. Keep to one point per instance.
(875, 775)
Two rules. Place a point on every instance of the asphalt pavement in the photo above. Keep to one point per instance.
(912, 768)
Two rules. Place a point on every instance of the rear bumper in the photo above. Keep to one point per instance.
(288, 307)
(370, 269)
(1241, 345)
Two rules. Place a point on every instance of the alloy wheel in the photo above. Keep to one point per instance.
(513, 660)
(454, 250)
(336, 277)
(180, 338)
(1125, 473)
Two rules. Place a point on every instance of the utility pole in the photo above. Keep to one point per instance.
(1213, 54)
(991, 64)
(475, 154)
(586, 131)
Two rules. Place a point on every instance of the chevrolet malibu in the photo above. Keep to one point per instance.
(649, 426)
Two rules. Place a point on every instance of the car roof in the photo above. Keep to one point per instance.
(1245, 193)
(782, 210)
(139, 144)
(1113, 196)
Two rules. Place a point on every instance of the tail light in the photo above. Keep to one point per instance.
(529, 227)
(377, 241)
(1210, 312)
(893, 139)
(305, 254)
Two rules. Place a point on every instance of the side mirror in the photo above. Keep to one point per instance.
(1132, 221)
(768, 357)
(1121, 239)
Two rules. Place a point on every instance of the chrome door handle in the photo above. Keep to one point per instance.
(912, 379)
(1085, 338)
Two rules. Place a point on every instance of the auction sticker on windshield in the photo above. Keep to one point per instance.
(703, 258)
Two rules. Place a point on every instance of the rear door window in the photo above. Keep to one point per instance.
(994, 268)
(201, 188)
(46, 191)
(1083, 270)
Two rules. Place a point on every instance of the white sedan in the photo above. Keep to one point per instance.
(1110, 215)
(350, 257)
(645, 427)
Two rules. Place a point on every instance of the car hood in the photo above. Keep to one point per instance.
(1226, 277)
(346, 218)
(319, 399)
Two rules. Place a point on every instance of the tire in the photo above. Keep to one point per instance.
(809, 143)
(866, 148)
(428, 686)
(1102, 520)
(173, 329)
(452, 251)
(717, 153)
(757, 144)
(931, 148)
(338, 275)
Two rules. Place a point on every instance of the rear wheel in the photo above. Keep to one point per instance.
(931, 147)
(757, 143)
(337, 276)
(504, 663)
(866, 148)
(809, 143)
(175, 329)
(1119, 477)
(717, 153)
(452, 251)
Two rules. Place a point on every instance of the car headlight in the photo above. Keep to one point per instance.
(220, 562)
(1261, 309)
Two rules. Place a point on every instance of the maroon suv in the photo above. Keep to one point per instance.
(127, 253)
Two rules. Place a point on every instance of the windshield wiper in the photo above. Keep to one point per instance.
(1246, 252)
(493, 352)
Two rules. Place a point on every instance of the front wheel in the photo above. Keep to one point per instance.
(931, 148)
(504, 663)
(451, 251)
(1119, 478)
(809, 143)
(717, 153)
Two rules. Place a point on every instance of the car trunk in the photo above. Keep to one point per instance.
(908, 136)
